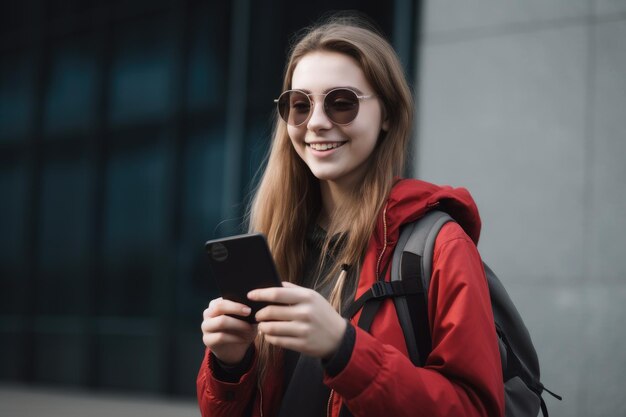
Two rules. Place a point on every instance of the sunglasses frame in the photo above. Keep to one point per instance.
(312, 103)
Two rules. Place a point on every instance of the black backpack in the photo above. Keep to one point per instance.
(411, 269)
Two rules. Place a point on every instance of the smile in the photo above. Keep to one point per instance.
(325, 146)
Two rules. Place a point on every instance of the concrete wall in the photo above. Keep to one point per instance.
(524, 103)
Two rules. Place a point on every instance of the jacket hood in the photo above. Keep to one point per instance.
(411, 199)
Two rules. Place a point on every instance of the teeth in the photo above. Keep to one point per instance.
(325, 146)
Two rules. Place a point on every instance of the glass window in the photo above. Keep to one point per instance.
(66, 222)
(13, 192)
(189, 352)
(201, 218)
(16, 96)
(131, 360)
(208, 56)
(257, 142)
(15, 16)
(61, 351)
(12, 347)
(61, 9)
(141, 73)
(203, 184)
(70, 97)
(134, 229)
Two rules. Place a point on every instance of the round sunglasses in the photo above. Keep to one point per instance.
(341, 105)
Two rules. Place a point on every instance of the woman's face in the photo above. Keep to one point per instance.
(333, 152)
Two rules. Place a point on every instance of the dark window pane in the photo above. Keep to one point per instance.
(62, 9)
(13, 183)
(257, 141)
(134, 231)
(208, 57)
(12, 347)
(141, 76)
(71, 94)
(61, 350)
(202, 199)
(66, 221)
(131, 355)
(15, 16)
(203, 187)
(189, 354)
(16, 96)
(270, 31)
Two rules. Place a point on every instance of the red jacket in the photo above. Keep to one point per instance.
(462, 376)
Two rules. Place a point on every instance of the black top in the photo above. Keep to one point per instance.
(305, 394)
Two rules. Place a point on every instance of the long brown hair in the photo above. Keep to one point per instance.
(288, 199)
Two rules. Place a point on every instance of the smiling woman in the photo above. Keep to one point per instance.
(331, 204)
(335, 152)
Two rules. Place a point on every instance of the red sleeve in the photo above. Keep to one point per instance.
(462, 376)
(217, 398)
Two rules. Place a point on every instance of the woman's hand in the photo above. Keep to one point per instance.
(304, 322)
(227, 337)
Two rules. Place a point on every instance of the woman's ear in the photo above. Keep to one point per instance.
(385, 125)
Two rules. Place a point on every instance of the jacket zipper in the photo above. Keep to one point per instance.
(380, 258)
(330, 401)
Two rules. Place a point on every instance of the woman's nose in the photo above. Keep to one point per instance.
(318, 119)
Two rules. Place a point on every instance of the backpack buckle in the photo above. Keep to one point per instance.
(381, 289)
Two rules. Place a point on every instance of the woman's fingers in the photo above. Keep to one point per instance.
(227, 324)
(291, 294)
(227, 336)
(285, 328)
(220, 306)
(217, 320)
(299, 319)
(216, 339)
(283, 312)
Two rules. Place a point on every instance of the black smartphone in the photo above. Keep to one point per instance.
(241, 264)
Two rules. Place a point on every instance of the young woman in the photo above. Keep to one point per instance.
(331, 205)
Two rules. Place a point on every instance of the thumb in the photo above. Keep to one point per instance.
(288, 284)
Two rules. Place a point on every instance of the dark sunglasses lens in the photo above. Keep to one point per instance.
(294, 107)
(341, 106)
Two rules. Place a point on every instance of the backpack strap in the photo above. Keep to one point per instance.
(411, 267)
(412, 262)
(371, 300)
(381, 290)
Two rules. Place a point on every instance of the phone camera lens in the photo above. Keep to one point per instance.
(219, 252)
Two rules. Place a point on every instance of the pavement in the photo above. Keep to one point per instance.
(27, 401)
